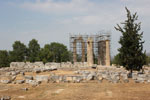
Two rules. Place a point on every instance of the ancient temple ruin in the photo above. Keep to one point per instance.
(91, 48)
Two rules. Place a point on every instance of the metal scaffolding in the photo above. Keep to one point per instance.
(78, 46)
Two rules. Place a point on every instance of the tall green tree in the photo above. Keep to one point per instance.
(60, 52)
(34, 50)
(131, 52)
(4, 58)
(45, 54)
(19, 52)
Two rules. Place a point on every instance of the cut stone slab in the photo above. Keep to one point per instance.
(5, 81)
(37, 70)
(90, 77)
(29, 77)
(40, 78)
(32, 82)
(20, 81)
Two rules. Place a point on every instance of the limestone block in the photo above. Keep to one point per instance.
(17, 64)
(5, 98)
(38, 64)
(28, 77)
(40, 78)
(32, 82)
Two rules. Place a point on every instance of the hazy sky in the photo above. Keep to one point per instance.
(53, 20)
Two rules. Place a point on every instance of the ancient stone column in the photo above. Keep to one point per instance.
(90, 52)
(74, 52)
(107, 53)
(83, 51)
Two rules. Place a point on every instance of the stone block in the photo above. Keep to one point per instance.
(20, 81)
(5, 81)
(28, 77)
(5, 98)
(32, 82)
(40, 78)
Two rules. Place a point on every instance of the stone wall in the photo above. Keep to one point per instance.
(110, 74)
(47, 65)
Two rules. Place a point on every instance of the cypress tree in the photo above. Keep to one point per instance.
(131, 51)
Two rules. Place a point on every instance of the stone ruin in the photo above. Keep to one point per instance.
(80, 73)
(48, 65)
(86, 48)
(84, 71)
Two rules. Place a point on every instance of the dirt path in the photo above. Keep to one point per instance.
(78, 91)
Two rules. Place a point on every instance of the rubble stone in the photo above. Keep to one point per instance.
(5, 98)
(40, 78)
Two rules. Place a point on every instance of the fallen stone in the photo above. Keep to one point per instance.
(99, 78)
(90, 77)
(79, 79)
(20, 81)
(5, 98)
(60, 79)
(29, 77)
(37, 70)
(13, 73)
(5, 81)
(22, 73)
(32, 82)
(148, 81)
(24, 89)
(13, 78)
(54, 78)
(125, 80)
(94, 67)
(76, 72)
(53, 68)
(40, 78)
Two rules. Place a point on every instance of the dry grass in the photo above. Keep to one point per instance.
(78, 91)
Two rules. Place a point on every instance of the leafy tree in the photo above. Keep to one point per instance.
(45, 54)
(130, 53)
(34, 50)
(60, 52)
(116, 60)
(147, 60)
(19, 52)
(4, 58)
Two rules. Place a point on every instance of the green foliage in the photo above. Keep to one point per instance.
(45, 54)
(18, 53)
(131, 55)
(34, 51)
(116, 60)
(4, 58)
(59, 51)
(147, 60)
(54, 52)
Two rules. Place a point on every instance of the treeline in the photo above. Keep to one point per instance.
(53, 52)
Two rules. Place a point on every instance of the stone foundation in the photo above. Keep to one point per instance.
(66, 72)
(47, 65)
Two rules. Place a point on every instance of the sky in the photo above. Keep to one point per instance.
(52, 20)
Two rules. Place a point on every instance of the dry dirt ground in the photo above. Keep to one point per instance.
(77, 91)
